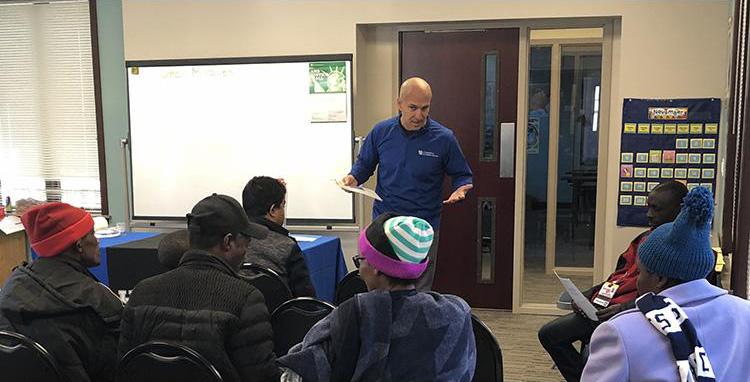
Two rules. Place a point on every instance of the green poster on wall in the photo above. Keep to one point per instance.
(327, 77)
(328, 91)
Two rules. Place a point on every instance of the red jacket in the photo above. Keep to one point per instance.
(626, 273)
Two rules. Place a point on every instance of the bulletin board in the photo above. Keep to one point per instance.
(665, 139)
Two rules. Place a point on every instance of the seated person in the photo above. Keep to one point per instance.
(683, 329)
(171, 248)
(557, 337)
(203, 303)
(393, 332)
(57, 302)
(264, 200)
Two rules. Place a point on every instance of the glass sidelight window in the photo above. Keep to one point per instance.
(488, 135)
(564, 93)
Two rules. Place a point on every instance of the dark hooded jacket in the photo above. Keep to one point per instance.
(59, 304)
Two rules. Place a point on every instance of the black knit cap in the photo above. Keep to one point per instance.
(376, 235)
(220, 215)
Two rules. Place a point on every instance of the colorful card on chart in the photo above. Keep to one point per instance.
(668, 156)
(639, 200)
(626, 171)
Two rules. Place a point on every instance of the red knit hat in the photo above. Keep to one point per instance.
(54, 227)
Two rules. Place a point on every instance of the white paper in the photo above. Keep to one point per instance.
(100, 222)
(588, 309)
(11, 224)
(304, 237)
(359, 190)
(107, 233)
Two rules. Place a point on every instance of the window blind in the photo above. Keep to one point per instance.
(48, 140)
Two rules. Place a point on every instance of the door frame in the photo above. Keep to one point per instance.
(557, 46)
(556, 42)
(389, 32)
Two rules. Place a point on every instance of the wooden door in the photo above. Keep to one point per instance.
(474, 79)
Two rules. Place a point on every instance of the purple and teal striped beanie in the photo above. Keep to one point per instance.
(397, 245)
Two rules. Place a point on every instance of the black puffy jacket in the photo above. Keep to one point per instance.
(58, 303)
(204, 305)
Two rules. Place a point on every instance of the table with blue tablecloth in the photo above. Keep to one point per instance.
(131, 257)
(325, 261)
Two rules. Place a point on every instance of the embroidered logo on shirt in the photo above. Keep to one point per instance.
(425, 153)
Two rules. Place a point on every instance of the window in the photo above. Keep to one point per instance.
(48, 130)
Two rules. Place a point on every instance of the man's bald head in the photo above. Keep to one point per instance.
(414, 98)
(415, 85)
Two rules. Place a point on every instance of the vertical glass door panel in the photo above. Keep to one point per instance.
(537, 157)
(563, 131)
(578, 140)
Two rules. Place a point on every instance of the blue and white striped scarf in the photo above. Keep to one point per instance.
(670, 320)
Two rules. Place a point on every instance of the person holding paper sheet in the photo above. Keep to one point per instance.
(618, 293)
(683, 328)
(413, 153)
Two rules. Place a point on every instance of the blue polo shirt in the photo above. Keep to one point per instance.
(411, 167)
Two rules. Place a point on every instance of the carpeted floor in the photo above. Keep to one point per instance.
(524, 359)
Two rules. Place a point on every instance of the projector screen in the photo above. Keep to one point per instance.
(204, 126)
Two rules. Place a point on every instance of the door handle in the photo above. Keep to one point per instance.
(507, 149)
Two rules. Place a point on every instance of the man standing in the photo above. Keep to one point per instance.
(616, 295)
(683, 328)
(57, 302)
(203, 303)
(413, 153)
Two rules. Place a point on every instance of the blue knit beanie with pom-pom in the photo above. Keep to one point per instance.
(682, 249)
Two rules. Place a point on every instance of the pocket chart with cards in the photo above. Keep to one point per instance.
(665, 140)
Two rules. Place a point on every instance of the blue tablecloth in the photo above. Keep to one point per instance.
(100, 271)
(325, 260)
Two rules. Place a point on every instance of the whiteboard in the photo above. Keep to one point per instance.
(204, 126)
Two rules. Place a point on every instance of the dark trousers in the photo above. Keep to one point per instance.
(557, 338)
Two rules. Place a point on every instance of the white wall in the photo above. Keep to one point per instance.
(670, 48)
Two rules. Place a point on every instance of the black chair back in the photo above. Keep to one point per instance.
(489, 356)
(350, 285)
(23, 359)
(268, 282)
(165, 362)
(293, 319)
